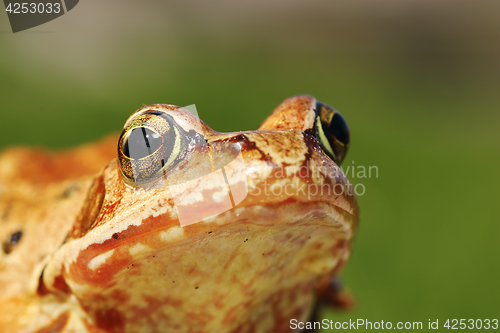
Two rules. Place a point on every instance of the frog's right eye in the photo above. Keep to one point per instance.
(149, 146)
(333, 133)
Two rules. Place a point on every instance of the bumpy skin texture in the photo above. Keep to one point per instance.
(97, 255)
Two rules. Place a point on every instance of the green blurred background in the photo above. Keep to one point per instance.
(417, 81)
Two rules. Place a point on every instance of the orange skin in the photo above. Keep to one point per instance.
(98, 255)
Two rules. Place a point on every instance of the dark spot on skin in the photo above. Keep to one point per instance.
(10, 243)
(312, 132)
(115, 235)
(195, 287)
(246, 240)
(173, 281)
(312, 143)
(209, 232)
(247, 145)
(69, 191)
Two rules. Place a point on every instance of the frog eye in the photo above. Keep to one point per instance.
(333, 133)
(149, 146)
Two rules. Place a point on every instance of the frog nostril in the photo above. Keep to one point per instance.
(10, 243)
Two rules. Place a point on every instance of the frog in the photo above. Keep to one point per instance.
(174, 227)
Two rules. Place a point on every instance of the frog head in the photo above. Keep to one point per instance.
(191, 230)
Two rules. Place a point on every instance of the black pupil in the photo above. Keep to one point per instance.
(141, 143)
(339, 129)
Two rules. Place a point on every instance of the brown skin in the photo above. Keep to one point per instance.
(98, 255)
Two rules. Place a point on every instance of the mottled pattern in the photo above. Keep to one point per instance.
(97, 255)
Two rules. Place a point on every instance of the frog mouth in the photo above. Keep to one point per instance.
(86, 266)
(241, 258)
(111, 247)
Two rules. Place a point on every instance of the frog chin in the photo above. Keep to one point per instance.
(134, 263)
(251, 264)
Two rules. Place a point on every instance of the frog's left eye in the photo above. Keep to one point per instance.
(333, 132)
(149, 146)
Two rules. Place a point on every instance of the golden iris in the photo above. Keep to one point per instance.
(148, 146)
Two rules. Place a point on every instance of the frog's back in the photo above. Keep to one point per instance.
(41, 194)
